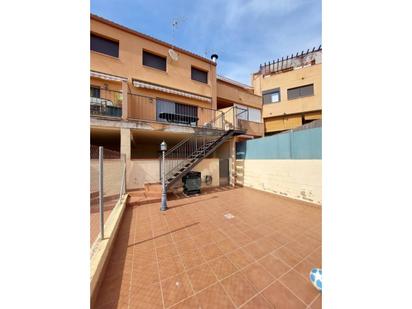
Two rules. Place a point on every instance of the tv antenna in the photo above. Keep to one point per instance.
(175, 24)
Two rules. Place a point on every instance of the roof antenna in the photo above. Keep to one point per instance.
(175, 24)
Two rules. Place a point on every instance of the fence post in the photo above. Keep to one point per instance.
(101, 201)
(123, 179)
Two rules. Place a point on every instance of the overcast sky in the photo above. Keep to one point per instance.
(244, 33)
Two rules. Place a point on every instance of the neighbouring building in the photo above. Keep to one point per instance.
(291, 90)
(144, 91)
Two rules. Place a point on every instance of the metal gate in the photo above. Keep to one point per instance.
(223, 172)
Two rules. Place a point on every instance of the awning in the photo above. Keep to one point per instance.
(140, 84)
(107, 76)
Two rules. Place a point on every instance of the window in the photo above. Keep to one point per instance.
(255, 115)
(199, 75)
(104, 46)
(271, 96)
(298, 92)
(94, 92)
(248, 113)
(154, 61)
(167, 111)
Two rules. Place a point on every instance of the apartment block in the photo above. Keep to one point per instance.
(144, 91)
(291, 90)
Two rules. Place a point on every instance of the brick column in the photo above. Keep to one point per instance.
(125, 100)
(125, 143)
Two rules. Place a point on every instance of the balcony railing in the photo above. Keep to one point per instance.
(109, 103)
(140, 107)
(147, 108)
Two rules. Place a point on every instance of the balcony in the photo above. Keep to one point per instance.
(112, 104)
(104, 102)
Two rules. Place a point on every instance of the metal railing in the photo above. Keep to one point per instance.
(233, 118)
(106, 103)
(107, 186)
(183, 154)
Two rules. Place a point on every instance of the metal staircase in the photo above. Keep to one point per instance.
(184, 156)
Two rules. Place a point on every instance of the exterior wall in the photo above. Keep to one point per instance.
(229, 92)
(287, 114)
(143, 171)
(129, 64)
(298, 179)
(112, 171)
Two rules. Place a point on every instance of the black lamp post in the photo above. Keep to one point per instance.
(163, 148)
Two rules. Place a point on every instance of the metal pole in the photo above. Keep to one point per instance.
(101, 202)
(163, 206)
(122, 180)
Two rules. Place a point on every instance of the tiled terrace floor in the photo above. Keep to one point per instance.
(192, 256)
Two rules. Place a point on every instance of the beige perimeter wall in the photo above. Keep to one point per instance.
(298, 179)
(112, 171)
(147, 170)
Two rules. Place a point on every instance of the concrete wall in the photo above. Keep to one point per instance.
(298, 179)
(112, 171)
(142, 171)
(129, 64)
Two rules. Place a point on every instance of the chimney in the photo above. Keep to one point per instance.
(214, 57)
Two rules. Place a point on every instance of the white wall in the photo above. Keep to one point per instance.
(298, 179)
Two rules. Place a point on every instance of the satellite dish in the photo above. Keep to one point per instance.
(173, 55)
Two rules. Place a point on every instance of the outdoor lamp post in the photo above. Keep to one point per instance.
(163, 148)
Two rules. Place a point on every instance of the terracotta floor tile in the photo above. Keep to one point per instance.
(180, 239)
(222, 267)
(279, 296)
(227, 245)
(218, 235)
(192, 258)
(304, 268)
(274, 265)
(176, 289)
(280, 238)
(258, 276)
(180, 235)
(166, 251)
(299, 248)
(163, 240)
(145, 274)
(238, 288)
(255, 250)
(147, 296)
(317, 304)
(189, 303)
(201, 277)
(316, 257)
(253, 234)
(240, 258)
(287, 256)
(210, 252)
(185, 245)
(301, 287)
(258, 302)
(170, 266)
(214, 297)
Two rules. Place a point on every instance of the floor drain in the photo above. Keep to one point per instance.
(228, 216)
